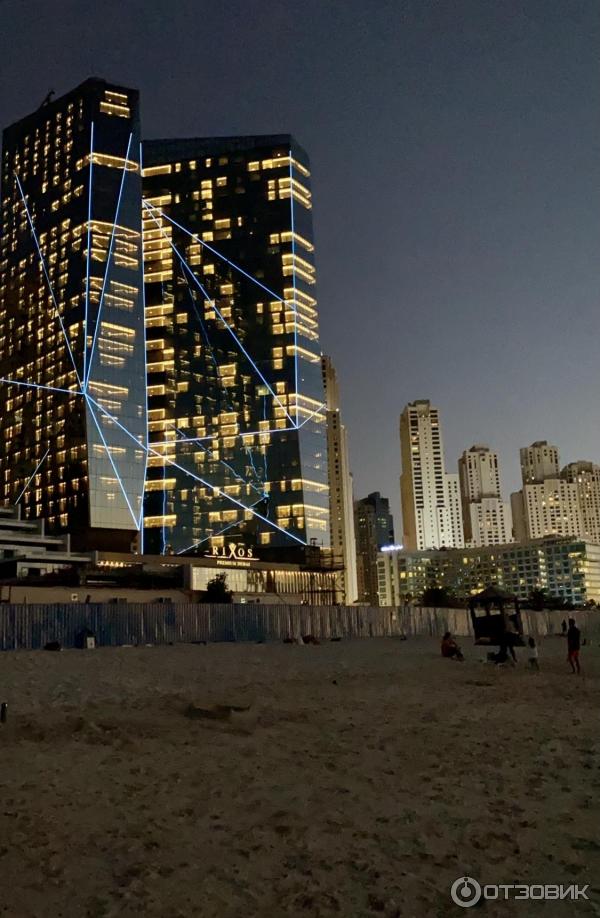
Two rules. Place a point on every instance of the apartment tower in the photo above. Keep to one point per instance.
(431, 505)
(486, 518)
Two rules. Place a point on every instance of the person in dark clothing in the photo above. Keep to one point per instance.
(573, 646)
(564, 628)
(450, 648)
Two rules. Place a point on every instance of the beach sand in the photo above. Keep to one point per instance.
(366, 777)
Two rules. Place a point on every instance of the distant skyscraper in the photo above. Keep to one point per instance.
(374, 529)
(539, 462)
(72, 350)
(486, 518)
(341, 510)
(431, 507)
(547, 504)
(238, 444)
(586, 477)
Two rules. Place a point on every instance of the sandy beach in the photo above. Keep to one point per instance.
(366, 777)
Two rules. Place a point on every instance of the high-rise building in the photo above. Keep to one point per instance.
(374, 530)
(431, 507)
(539, 462)
(72, 350)
(341, 509)
(548, 504)
(237, 429)
(486, 518)
(586, 477)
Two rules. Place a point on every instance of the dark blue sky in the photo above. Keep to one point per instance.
(456, 165)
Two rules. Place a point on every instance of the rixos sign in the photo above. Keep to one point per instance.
(232, 551)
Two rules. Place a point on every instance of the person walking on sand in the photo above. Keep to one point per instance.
(573, 646)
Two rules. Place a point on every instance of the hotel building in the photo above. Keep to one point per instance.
(567, 569)
(237, 415)
(72, 362)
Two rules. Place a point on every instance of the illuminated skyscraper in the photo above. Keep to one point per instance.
(486, 518)
(431, 509)
(72, 358)
(238, 446)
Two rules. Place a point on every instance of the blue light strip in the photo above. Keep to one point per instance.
(89, 254)
(294, 284)
(47, 276)
(108, 453)
(311, 416)
(219, 375)
(205, 245)
(214, 306)
(28, 385)
(108, 257)
(234, 471)
(192, 475)
(30, 479)
(141, 519)
(164, 509)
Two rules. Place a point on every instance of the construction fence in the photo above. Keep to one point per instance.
(30, 627)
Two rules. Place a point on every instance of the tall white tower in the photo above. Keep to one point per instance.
(341, 504)
(431, 508)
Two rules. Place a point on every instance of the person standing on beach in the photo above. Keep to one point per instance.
(532, 654)
(573, 646)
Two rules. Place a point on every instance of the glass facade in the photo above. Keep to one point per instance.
(236, 403)
(72, 348)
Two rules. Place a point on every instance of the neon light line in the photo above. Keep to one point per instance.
(236, 474)
(221, 493)
(214, 535)
(317, 411)
(228, 327)
(108, 453)
(47, 276)
(89, 254)
(206, 484)
(141, 519)
(164, 509)
(294, 284)
(228, 261)
(108, 257)
(28, 385)
(30, 479)
(224, 389)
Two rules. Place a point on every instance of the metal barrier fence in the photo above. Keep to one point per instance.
(29, 627)
(32, 626)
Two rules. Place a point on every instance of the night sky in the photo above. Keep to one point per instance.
(455, 150)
